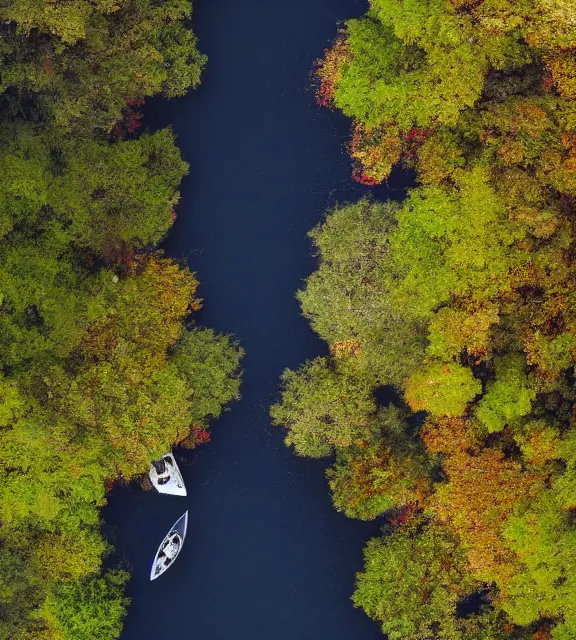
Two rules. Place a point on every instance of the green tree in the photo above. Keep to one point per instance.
(322, 407)
(390, 471)
(83, 62)
(419, 63)
(412, 582)
(210, 365)
(508, 398)
(442, 389)
(543, 537)
(349, 296)
(91, 610)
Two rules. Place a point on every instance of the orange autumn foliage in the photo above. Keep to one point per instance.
(378, 473)
(169, 294)
(344, 348)
(375, 151)
(482, 489)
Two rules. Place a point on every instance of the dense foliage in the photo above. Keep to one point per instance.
(461, 299)
(99, 373)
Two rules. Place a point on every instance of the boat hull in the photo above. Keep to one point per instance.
(170, 547)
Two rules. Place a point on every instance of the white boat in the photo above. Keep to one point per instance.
(170, 547)
(165, 476)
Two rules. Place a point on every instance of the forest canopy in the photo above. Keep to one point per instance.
(459, 301)
(102, 368)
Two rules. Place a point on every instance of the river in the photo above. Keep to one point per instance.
(266, 557)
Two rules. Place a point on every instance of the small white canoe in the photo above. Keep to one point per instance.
(165, 476)
(170, 547)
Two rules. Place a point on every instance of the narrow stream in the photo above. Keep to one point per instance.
(266, 557)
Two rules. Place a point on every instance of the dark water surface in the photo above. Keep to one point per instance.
(266, 557)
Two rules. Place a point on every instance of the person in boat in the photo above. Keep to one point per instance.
(162, 470)
(172, 547)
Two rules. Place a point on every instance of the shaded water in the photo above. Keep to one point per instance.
(267, 557)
